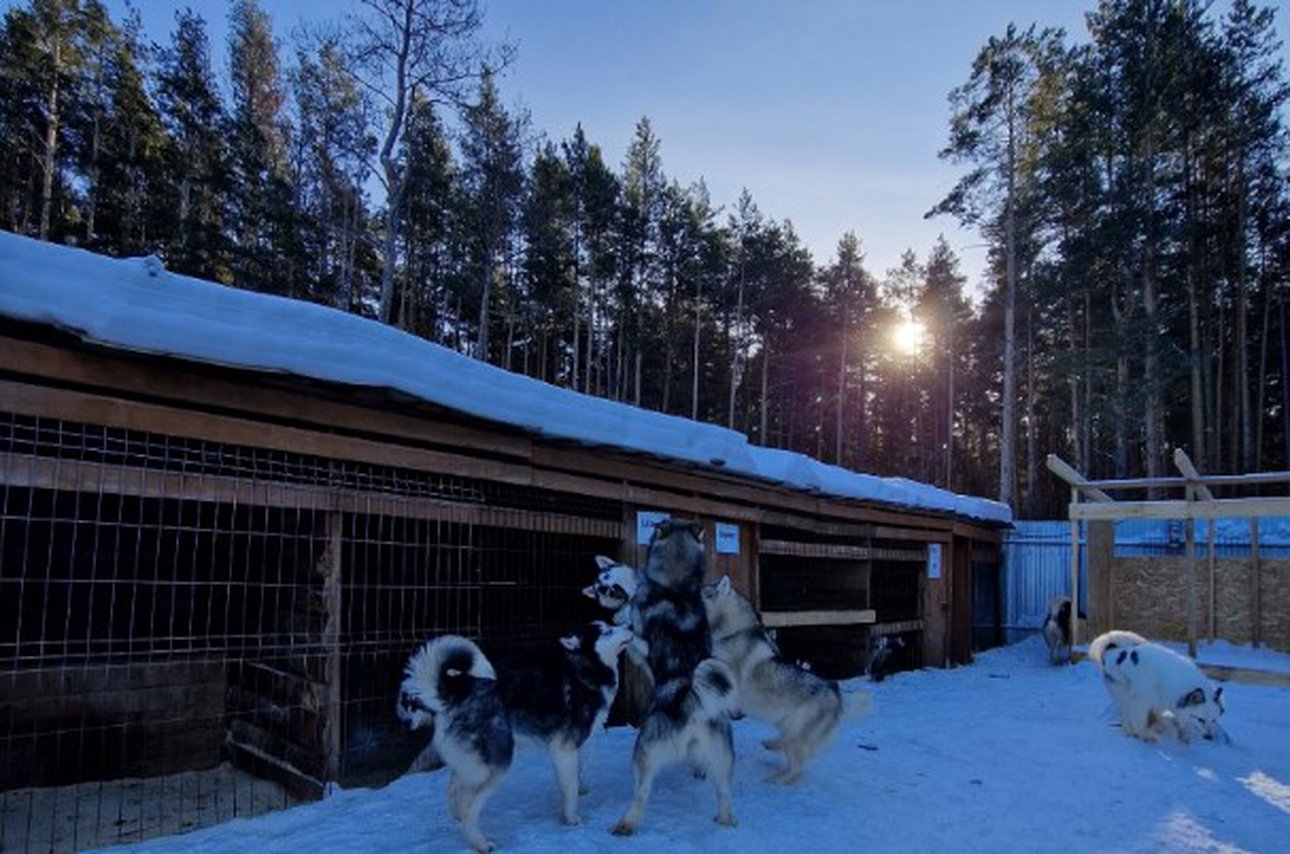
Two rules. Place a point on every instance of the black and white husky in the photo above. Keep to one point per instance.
(1057, 629)
(614, 588)
(805, 708)
(1154, 689)
(557, 696)
(694, 694)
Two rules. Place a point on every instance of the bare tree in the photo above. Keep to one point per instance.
(422, 47)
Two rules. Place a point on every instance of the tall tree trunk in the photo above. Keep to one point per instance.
(1262, 377)
(736, 348)
(1032, 438)
(842, 396)
(637, 378)
(698, 328)
(1242, 329)
(51, 142)
(1008, 429)
(765, 393)
(486, 297)
(949, 407)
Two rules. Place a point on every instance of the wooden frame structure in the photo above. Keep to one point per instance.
(1091, 501)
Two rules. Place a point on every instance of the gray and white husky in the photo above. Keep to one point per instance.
(805, 708)
(556, 695)
(1154, 689)
(694, 694)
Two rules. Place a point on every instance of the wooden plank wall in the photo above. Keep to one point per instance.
(74, 724)
(1148, 595)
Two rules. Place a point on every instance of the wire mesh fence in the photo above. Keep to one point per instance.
(192, 631)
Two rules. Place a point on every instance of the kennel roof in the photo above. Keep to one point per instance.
(137, 305)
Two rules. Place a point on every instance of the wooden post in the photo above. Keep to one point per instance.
(1075, 639)
(329, 566)
(1256, 633)
(1191, 576)
(1099, 558)
(1213, 585)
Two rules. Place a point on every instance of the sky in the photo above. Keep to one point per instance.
(830, 112)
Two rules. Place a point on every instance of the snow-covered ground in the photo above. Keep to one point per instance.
(1008, 755)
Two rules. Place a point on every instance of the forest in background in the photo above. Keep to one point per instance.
(1132, 184)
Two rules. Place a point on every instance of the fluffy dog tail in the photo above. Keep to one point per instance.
(438, 674)
(856, 704)
(1117, 639)
(716, 687)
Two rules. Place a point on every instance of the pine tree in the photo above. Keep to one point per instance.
(197, 157)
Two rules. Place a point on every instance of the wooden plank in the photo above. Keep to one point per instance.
(1223, 508)
(1099, 557)
(1066, 472)
(77, 476)
(1256, 630)
(160, 377)
(104, 370)
(29, 399)
(1191, 580)
(895, 627)
(330, 568)
(827, 551)
(1188, 469)
(788, 619)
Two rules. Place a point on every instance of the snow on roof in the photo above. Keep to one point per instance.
(135, 304)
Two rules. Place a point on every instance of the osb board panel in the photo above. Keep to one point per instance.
(1149, 596)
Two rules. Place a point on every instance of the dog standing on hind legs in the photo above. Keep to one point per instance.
(805, 708)
(694, 694)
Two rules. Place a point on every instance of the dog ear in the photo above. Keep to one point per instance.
(1193, 698)
(723, 586)
(589, 591)
(1218, 698)
(571, 643)
(604, 562)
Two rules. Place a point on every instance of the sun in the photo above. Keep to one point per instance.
(907, 337)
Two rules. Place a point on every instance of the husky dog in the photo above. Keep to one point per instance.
(1057, 629)
(451, 686)
(694, 694)
(1155, 688)
(557, 696)
(613, 588)
(805, 708)
(884, 655)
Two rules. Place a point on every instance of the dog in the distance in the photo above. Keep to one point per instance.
(885, 656)
(556, 695)
(1155, 689)
(805, 708)
(694, 694)
(1058, 630)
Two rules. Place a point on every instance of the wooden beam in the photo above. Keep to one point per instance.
(1188, 469)
(1074, 568)
(1222, 508)
(1066, 472)
(789, 619)
(77, 476)
(330, 568)
(828, 551)
(1256, 633)
(1191, 577)
(895, 627)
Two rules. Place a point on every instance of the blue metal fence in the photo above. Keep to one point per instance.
(1037, 557)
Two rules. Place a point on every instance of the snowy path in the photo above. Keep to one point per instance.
(1008, 755)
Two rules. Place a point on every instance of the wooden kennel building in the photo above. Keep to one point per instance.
(211, 577)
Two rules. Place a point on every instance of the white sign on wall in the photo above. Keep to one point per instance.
(646, 521)
(727, 538)
(933, 560)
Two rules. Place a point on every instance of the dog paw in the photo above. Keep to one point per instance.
(726, 820)
(623, 829)
(571, 820)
